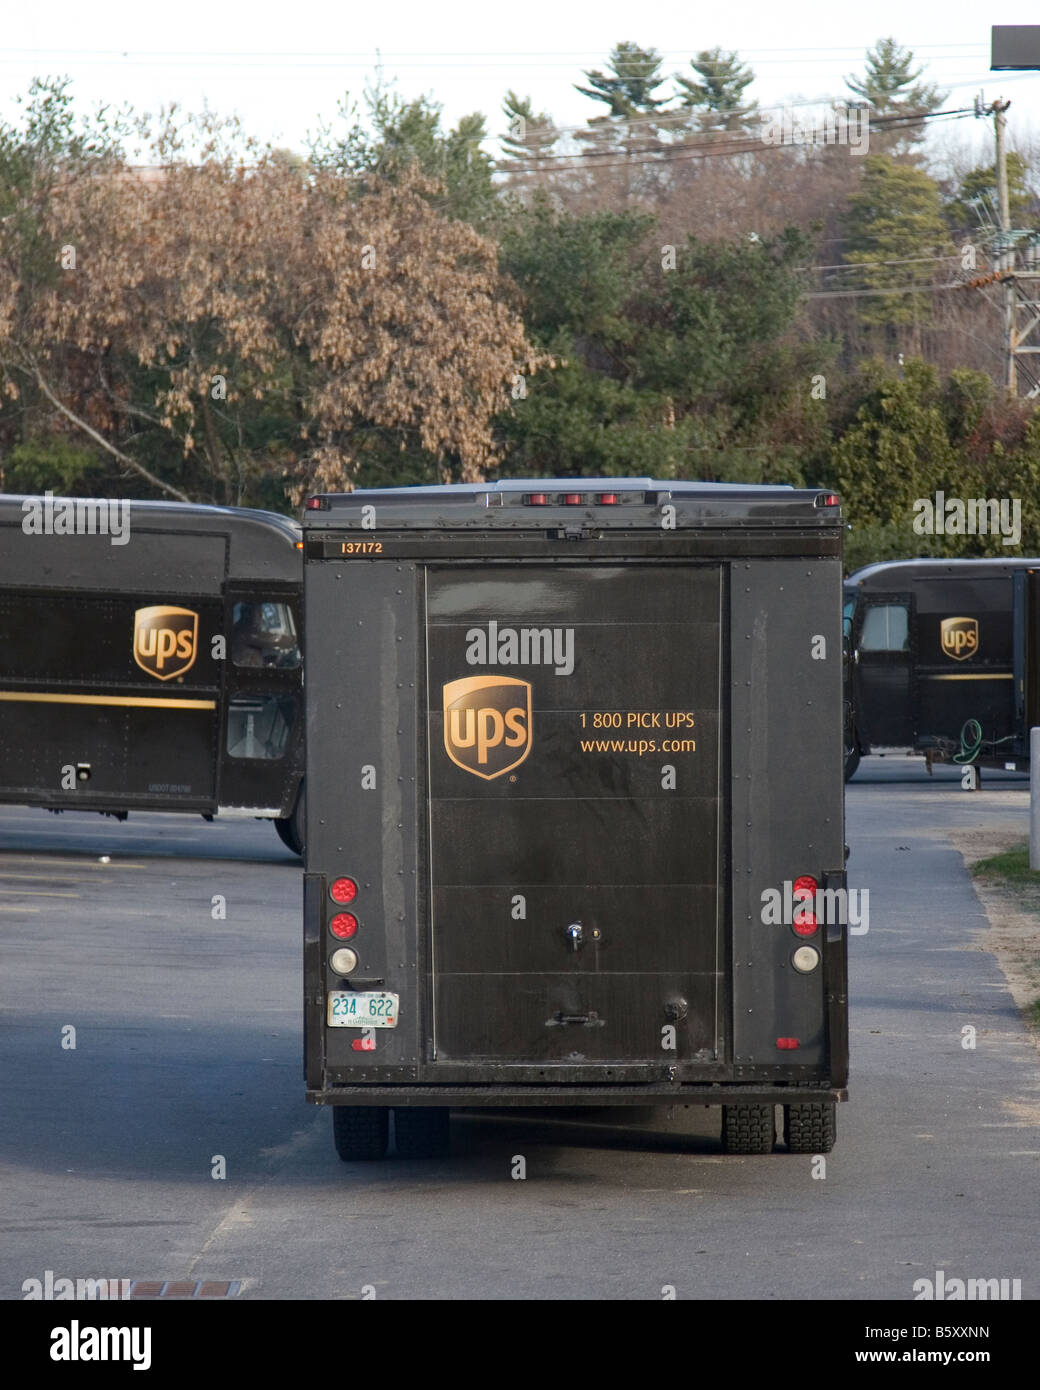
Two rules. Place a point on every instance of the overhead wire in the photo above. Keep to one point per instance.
(728, 146)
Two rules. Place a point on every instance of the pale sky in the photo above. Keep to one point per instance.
(283, 67)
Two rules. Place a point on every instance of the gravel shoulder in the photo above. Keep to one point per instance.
(1014, 918)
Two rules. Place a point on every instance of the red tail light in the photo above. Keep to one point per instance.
(343, 925)
(803, 920)
(787, 1044)
(573, 499)
(538, 499)
(608, 499)
(343, 890)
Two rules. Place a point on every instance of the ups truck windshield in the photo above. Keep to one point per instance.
(550, 796)
(157, 667)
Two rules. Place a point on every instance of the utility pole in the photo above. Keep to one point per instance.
(1003, 242)
(1014, 48)
(1007, 253)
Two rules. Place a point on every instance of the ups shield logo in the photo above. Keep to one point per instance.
(959, 637)
(165, 641)
(487, 724)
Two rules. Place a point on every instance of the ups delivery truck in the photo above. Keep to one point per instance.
(150, 659)
(945, 660)
(574, 806)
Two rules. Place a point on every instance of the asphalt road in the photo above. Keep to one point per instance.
(188, 1049)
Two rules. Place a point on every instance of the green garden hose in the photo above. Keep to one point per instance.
(971, 742)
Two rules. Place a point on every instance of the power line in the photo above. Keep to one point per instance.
(866, 265)
(730, 146)
(895, 289)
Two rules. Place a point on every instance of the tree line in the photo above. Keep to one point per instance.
(187, 313)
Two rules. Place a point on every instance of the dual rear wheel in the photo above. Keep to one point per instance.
(809, 1128)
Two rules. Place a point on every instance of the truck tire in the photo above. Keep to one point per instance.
(290, 827)
(851, 762)
(360, 1131)
(747, 1129)
(422, 1131)
(810, 1128)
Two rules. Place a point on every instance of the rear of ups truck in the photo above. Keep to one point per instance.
(574, 805)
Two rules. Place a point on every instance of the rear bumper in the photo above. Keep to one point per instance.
(654, 1093)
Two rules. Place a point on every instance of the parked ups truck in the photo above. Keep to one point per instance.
(944, 661)
(150, 659)
(574, 806)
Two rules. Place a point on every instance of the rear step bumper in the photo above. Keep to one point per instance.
(660, 1093)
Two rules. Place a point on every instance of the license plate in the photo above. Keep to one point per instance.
(360, 1009)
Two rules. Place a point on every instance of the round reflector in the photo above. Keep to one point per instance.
(344, 890)
(805, 959)
(343, 925)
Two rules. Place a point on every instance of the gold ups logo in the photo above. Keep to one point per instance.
(487, 724)
(959, 637)
(165, 641)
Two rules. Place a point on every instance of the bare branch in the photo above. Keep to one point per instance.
(100, 439)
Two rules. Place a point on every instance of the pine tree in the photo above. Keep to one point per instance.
(634, 75)
(892, 90)
(719, 96)
(896, 216)
(633, 123)
(532, 134)
(399, 133)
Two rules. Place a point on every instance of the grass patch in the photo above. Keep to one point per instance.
(1012, 866)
